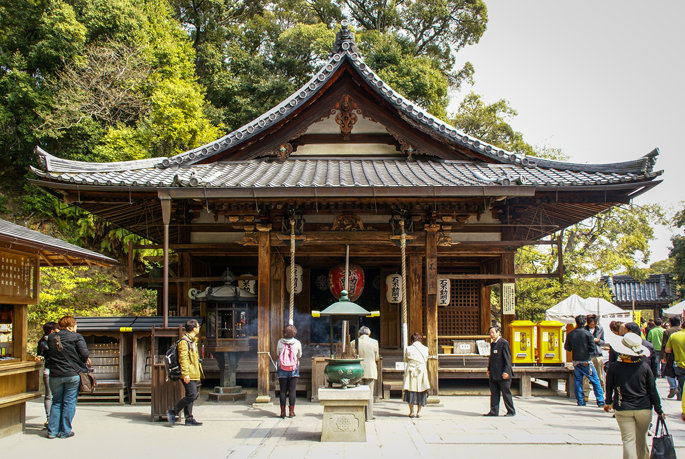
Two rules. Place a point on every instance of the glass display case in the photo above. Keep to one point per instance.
(227, 325)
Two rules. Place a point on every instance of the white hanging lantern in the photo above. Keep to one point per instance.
(249, 285)
(298, 278)
(393, 288)
(444, 291)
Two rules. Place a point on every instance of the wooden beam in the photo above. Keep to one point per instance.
(277, 300)
(432, 306)
(263, 312)
(415, 293)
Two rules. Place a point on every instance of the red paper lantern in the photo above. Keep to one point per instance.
(336, 281)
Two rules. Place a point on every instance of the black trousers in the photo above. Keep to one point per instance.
(186, 403)
(289, 385)
(502, 387)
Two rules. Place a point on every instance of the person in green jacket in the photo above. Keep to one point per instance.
(655, 336)
(191, 373)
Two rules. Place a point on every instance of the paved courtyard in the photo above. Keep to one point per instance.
(544, 427)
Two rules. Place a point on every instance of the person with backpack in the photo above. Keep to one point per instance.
(289, 352)
(191, 373)
(68, 354)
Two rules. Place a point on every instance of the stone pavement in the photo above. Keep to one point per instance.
(543, 426)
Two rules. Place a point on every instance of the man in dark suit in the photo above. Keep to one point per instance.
(500, 373)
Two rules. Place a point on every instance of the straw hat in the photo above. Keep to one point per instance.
(630, 344)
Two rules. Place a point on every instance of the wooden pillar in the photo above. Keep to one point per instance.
(277, 298)
(415, 294)
(507, 268)
(432, 308)
(19, 331)
(166, 218)
(485, 292)
(263, 300)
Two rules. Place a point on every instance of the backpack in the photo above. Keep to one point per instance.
(287, 360)
(173, 368)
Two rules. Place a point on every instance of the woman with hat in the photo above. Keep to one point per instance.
(631, 391)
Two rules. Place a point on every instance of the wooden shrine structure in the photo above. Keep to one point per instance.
(22, 253)
(344, 160)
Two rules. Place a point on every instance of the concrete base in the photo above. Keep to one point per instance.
(228, 394)
(343, 413)
(262, 401)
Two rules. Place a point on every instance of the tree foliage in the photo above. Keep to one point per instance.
(677, 251)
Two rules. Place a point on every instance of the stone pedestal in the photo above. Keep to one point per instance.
(343, 413)
(228, 394)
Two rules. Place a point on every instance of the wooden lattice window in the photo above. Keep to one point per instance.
(462, 316)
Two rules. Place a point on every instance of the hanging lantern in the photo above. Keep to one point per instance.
(249, 285)
(336, 281)
(444, 291)
(298, 278)
(393, 288)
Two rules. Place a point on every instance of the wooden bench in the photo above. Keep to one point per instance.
(391, 385)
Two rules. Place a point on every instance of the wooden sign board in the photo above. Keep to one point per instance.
(509, 298)
(18, 277)
(431, 276)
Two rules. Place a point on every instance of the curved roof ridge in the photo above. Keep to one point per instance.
(345, 48)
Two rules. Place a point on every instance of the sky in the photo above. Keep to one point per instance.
(602, 80)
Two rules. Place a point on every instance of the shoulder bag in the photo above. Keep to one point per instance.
(662, 444)
(87, 382)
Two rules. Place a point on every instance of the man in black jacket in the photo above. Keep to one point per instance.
(500, 373)
(581, 343)
(596, 355)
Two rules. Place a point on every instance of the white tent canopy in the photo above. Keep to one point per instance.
(566, 311)
(676, 310)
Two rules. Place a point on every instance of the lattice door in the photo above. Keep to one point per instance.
(462, 316)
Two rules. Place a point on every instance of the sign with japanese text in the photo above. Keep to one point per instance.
(17, 276)
(431, 276)
(444, 292)
(509, 298)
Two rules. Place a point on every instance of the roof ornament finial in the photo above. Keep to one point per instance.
(344, 40)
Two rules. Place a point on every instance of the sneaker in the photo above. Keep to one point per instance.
(192, 422)
(672, 393)
(71, 434)
(171, 417)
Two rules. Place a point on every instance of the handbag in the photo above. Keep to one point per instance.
(662, 445)
(87, 382)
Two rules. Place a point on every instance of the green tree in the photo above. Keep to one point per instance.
(677, 251)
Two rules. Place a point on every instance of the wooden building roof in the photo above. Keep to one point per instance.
(346, 135)
(656, 290)
(52, 251)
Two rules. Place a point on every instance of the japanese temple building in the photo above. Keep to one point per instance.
(343, 161)
(656, 292)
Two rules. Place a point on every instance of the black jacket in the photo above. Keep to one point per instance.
(580, 343)
(42, 351)
(72, 356)
(630, 386)
(599, 334)
(500, 360)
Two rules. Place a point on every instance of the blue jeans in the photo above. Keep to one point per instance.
(64, 394)
(587, 370)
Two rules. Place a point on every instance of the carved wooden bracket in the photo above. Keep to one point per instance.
(405, 146)
(347, 117)
(347, 223)
(250, 239)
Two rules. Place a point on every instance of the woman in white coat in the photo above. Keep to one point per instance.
(416, 383)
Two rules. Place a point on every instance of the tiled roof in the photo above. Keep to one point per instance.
(657, 288)
(19, 235)
(132, 323)
(373, 172)
(344, 50)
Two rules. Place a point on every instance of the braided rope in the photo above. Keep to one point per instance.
(403, 245)
(292, 272)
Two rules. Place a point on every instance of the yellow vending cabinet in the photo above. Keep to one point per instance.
(550, 342)
(523, 345)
